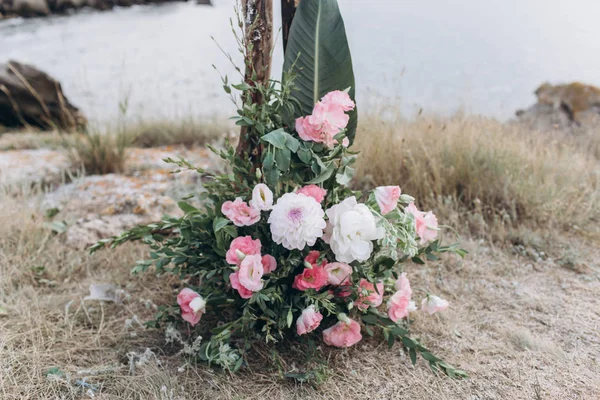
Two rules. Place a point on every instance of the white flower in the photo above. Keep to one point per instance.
(198, 305)
(351, 231)
(432, 304)
(262, 197)
(296, 220)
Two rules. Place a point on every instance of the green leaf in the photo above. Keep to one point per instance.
(304, 156)
(269, 161)
(283, 159)
(326, 174)
(345, 177)
(413, 356)
(292, 143)
(318, 52)
(219, 223)
(277, 138)
(186, 207)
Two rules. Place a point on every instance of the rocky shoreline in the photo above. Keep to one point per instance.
(42, 8)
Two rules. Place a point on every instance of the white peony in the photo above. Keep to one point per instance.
(296, 220)
(262, 197)
(351, 230)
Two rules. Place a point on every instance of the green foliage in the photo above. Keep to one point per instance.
(318, 52)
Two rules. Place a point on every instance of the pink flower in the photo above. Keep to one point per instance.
(240, 213)
(345, 142)
(307, 131)
(308, 321)
(330, 120)
(399, 305)
(269, 263)
(192, 306)
(250, 272)
(311, 278)
(312, 258)
(313, 191)
(235, 284)
(432, 304)
(339, 99)
(343, 334)
(426, 224)
(338, 273)
(369, 295)
(387, 198)
(243, 244)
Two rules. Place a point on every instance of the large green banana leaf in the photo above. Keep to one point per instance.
(318, 46)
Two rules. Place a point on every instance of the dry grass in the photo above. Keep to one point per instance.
(522, 325)
(491, 175)
(99, 153)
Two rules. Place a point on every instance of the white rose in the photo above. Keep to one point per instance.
(351, 230)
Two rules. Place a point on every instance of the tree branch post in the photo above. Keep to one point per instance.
(258, 43)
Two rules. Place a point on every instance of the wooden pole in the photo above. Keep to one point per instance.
(288, 9)
(258, 41)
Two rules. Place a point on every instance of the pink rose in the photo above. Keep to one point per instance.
(339, 99)
(312, 258)
(235, 284)
(330, 119)
(243, 244)
(343, 334)
(432, 304)
(426, 224)
(369, 295)
(311, 278)
(307, 131)
(399, 305)
(387, 198)
(338, 273)
(192, 306)
(308, 321)
(250, 273)
(313, 191)
(269, 263)
(240, 213)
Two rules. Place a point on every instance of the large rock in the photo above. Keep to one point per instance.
(567, 107)
(29, 96)
(24, 8)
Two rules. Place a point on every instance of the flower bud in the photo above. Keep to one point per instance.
(350, 305)
(344, 318)
(240, 255)
(404, 198)
(307, 265)
(258, 173)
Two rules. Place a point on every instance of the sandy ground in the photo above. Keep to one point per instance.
(524, 324)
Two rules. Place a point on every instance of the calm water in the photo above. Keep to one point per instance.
(483, 56)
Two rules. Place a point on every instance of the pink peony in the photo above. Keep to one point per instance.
(311, 278)
(432, 304)
(339, 99)
(387, 198)
(192, 306)
(269, 263)
(399, 305)
(313, 191)
(243, 244)
(343, 334)
(240, 213)
(250, 272)
(338, 273)
(308, 321)
(235, 283)
(373, 296)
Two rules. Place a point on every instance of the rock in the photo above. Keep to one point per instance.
(25, 8)
(204, 2)
(19, 168)
(29, 96)
(565, 107)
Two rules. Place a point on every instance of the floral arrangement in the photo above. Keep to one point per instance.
(282, 247)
